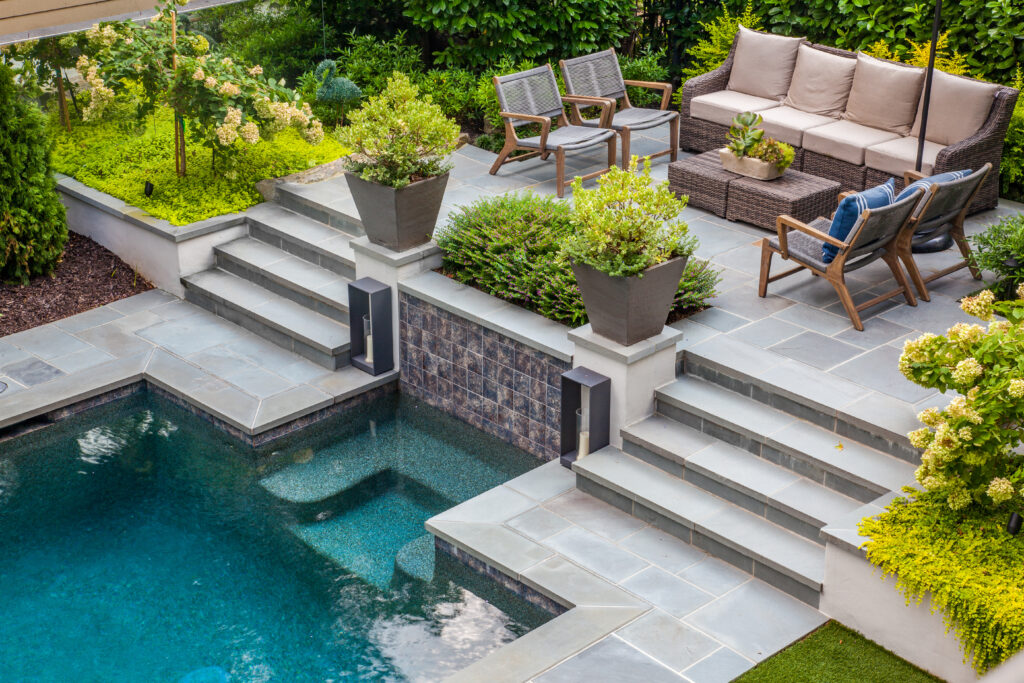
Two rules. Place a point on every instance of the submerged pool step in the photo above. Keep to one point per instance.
(416, 559)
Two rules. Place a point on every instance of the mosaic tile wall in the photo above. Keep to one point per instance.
(489, 380)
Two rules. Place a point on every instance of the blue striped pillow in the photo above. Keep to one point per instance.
(850, 210)
(926, 183)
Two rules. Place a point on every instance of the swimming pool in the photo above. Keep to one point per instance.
(138, 543)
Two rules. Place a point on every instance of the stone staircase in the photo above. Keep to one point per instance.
(287, 281)
(728, 465)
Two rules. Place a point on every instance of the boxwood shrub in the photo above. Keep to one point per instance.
(508, 247)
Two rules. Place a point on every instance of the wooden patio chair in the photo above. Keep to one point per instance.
(873, 237)
(533, 97)
(942, 211)
(598, 75)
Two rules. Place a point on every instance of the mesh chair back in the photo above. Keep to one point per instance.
(596, 75)
(947, 200)
(877, 227)
(533, 92)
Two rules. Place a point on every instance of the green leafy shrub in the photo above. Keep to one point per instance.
(918, 54)
(33, 228)
(1011, 170)
(454, 90)
(968, 456)
(964, 562)
(647, 65)
(509, 247)
(713, 49)
(330, 93)
(626, 224)
(369, 61)
(118, 157)
(399, 136)
(480, 33)
(1000, 249)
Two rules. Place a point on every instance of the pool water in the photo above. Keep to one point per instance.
(138, 543)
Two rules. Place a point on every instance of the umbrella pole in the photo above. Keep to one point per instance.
(944, 242)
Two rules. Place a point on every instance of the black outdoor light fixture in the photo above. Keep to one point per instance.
(369, 313)
(148, 189)
(586, 411)
(1013, 525)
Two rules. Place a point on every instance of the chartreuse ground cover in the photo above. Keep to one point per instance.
(835, 654)
(118, 156)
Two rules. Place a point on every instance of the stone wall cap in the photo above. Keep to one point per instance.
(590, 340)
(363, 245)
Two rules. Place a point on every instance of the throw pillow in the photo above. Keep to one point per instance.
(762, 64)
(849, 212)
(884, 95)
(821, 82)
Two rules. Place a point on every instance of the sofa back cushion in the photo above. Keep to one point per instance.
(821, 82)
(762, 64)
(884, 95)
(850, 210)
(959, 107)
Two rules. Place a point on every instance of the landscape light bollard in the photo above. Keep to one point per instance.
(371, 345)
(586, 402)
(1013, 526)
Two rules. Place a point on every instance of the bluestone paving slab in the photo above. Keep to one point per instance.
(816, 350)
(570, 585)
(495, 506)
(813, 502)
(715, 239)
(289, 405)
(175, 310)
(668, 640)
(662, 549)
(133, 322)
(251, 251)
(91, 318)
(877, 369)
(756, 620)
(721, 406)
(667, 592)
(741, 470)
(766, 332)
(814, 319)
(744, 302)
(693, 333)
(115, 340)
(219, 360)
(31, 372)
(499, 547)
(810, 386)
(79, 360)
(877, 411)
(203, 390)
(717, 319)
(746, 258)
(544, 482)
(667, 438)
(879, 332)
(611, 659)
(715, 576)
(594, 515)
(734, 356)
(595, 553)
(538, 523)
(258, 382)
(936, 315)
(348, 381)
(721, 666)
(47, 341)
(142, 302)
(190, 335)
(11, 354)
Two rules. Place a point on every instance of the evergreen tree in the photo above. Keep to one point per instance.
(33, 226)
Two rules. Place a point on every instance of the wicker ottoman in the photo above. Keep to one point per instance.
(703, 179)
(760, 202)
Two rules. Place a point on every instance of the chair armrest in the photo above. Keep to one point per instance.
(712, 81)
(785, 223)
(911, 175)
(510, 130)
(607, 107)
(665, 88)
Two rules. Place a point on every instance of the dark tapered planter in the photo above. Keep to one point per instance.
(629, 309)
(398, 219)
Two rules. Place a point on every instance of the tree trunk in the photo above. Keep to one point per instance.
(63, 102)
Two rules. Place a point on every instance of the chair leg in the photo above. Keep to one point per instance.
(611, 152)
(560, 171)
(958, 236)
(897, 272)
(673, 138)
(915, 274)
(766, 267)
(502, 156)
(847, 301)
(625, 148)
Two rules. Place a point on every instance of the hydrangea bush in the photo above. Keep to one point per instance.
(969, 446)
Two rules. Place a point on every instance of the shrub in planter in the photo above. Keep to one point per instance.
(628, 251)
(398, 168)
(1000, 249)
(33, 228)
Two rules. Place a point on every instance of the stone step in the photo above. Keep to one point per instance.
(786, 560)
(766, 489)
(304, 237)
(319, 289)
(815, 452)
(837, 404)
(328, 202)
(271, 316)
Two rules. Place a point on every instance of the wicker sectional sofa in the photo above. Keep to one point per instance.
(851, 118)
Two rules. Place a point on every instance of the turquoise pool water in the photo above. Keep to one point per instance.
(137, 543)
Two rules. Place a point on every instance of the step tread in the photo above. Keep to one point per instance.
(273, 310)
(785, 432)
(291, 271)
(298, 228)
(691, 506)
(741, 470)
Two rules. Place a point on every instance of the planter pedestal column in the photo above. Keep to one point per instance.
(392, 267)
(635, 371)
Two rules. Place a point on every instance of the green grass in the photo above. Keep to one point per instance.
(835, 654)
(118, 156)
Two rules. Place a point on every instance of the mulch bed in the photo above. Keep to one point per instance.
(89, 276)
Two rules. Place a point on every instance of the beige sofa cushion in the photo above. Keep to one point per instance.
(845, 140)
(899, 155)
(786, 124)
(959, 107)
(723, 106)
(884, 95)
(821, 82)
(763, 64)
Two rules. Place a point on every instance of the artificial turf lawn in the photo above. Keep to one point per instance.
(835, 654)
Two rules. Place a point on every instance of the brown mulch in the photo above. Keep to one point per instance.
(87, 277)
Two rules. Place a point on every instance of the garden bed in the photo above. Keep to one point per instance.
(87, 277)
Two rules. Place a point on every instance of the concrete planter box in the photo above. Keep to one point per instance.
(748, 166)
(854, 595)
(398, 219)
(628, 310)
(160, 252)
